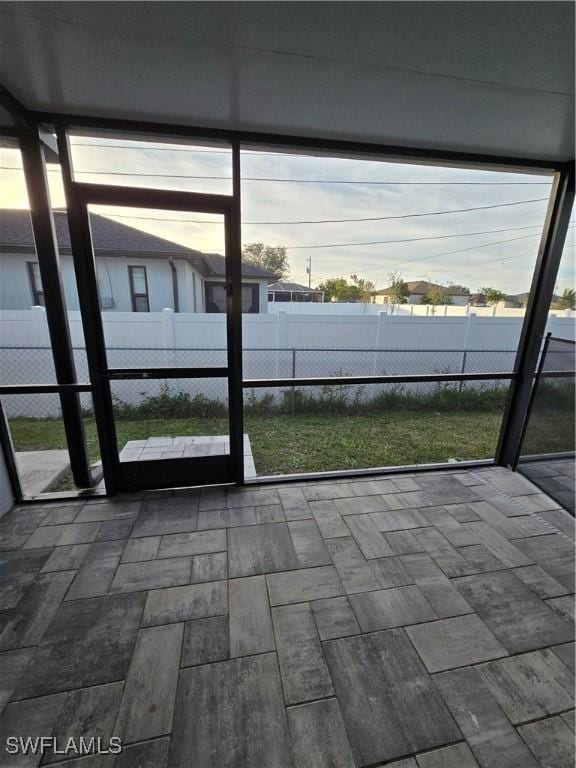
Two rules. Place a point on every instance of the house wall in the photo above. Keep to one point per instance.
(416, 298)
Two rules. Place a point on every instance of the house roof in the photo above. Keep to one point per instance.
(114, 239)
(282, 285)
(421, 288)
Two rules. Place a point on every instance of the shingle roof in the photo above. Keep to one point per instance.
(293, 287)
(117, 239)
(421, 287)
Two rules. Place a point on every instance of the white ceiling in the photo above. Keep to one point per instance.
(491, 77)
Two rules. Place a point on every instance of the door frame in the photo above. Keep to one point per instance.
(161, 473)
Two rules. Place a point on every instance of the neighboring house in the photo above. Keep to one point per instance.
(417, 289)
(477, 300)
(283, 291)
(137, 272)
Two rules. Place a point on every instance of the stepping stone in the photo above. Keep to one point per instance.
(388, 608)
(318, 736)
(486, 728)
(304, 673)
(245, 725)
(259, 549)
(89, 642)
(303, 585)
(552, 741)
(455, 642)
(195, 601)
(379, 678)
(518, 618)
(530, 686)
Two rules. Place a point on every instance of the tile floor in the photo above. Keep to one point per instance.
(421, 621)
(556, 477)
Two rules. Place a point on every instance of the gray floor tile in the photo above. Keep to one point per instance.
(108, 510)
(163, 517)
(18, 570)
(205, 641)
(403, 542)
(530, 686)
(455, 642)
(17, 525)
(152, 679)
(147, 754)
(303, 585)
(294, 503)
(197, 543)
(355, 573)
(563, 606)
(551, 741)
(250, 621)
(480, 559)
(12, 666)
(213, 567)
(308, 544)
(145, 548)
(455, 756)
(555, 554)
(369, 539)
(62, 535)
(68, 558)
(97, 571)
(26, 624)
(111, 530)
(334, 618)
(399, 520)
(321, 491)
(360, 506)
(89, 642)
(305, 676)
(223, 731)
(390, 572)
(260, 549)
(540, 582)
(447, 557)
(29, 719)
(508, 554)
(388, 608)
(195, 601)
(566, 653)
(318, 736)
(490, 735)
(379, 678)
(436, 587)
(328, 519)
(518, 618)
(152, 574)
(269, 513)
(87, 711)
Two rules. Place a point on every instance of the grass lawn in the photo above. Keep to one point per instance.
(283, 444)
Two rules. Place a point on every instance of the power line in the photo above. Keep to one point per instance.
(334, 221)
(298, 181)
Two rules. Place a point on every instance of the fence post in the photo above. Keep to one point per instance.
(469, 322)
(293, 403)
(168, 336)
(281, 340)
(380, 331)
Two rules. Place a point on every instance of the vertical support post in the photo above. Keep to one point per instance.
(7, 447)
(85, 270)
(293, 403)
(534, 326)
(56, 316)
(234, 321)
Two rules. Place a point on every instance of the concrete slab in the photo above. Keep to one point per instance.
(38, 470)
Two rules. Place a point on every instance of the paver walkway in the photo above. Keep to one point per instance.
(421, 621)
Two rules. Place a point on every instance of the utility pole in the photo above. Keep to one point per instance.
(309, 270)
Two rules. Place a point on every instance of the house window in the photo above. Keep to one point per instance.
(36, 284)
(139, 289)
(216, 298)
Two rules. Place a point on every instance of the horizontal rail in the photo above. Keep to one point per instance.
(557, 374)
(411, 350)
(42, 389)
(330, 380)
(167, 373)
(159, 199)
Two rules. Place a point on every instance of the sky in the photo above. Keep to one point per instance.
(494, 246)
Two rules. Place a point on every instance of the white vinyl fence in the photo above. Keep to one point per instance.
(276, 345)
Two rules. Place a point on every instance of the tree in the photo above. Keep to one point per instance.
(398, 290)
(455, 288)
(270, 257)
(566, 301)
(493, 295)
(339, 289)
(436, 296)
